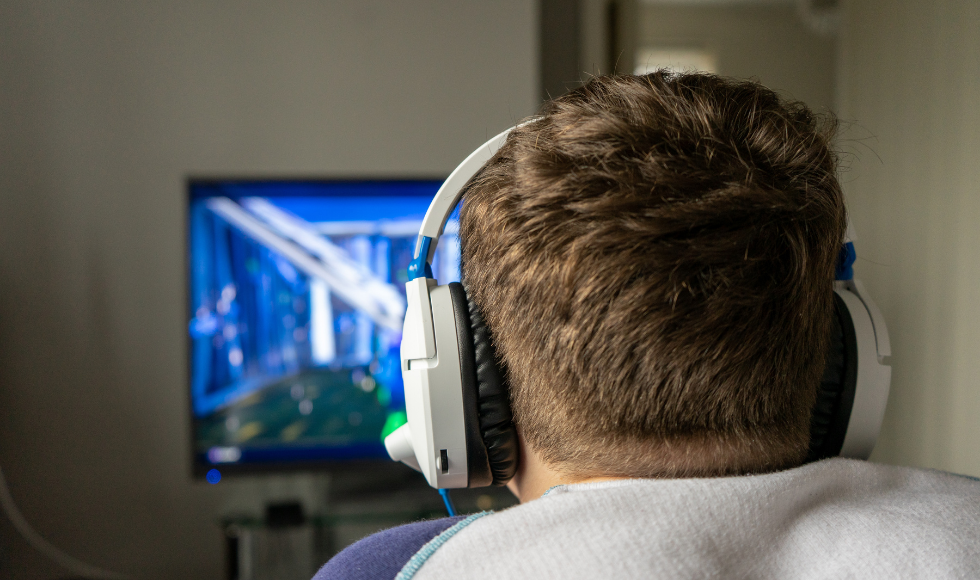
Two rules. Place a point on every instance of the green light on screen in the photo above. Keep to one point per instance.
(395, 420)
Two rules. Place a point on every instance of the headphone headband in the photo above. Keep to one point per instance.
(445, 202)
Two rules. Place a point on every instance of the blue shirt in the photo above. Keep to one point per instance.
(381, 556)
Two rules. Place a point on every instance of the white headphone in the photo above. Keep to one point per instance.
(459, 431)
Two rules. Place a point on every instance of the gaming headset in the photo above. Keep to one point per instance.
(460, 432)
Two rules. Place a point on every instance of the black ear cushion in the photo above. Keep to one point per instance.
(477, 461)
(835, 396)
(496, 420)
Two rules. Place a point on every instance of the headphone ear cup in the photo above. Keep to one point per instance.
(492, 450)
(496, 419)
(835, 395)
(477, 462)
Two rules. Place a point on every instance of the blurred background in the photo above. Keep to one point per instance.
(106, 109)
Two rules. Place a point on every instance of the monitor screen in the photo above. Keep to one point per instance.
(296, 301)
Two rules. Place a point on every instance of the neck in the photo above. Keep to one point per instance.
(534, 477)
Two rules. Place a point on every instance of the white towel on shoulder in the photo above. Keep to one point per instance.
(837, 518)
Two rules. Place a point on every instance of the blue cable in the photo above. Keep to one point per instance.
(449, 502)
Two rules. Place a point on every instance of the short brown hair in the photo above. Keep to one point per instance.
(654, 256)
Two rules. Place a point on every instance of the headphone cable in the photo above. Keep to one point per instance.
(41, 545)
(448, 501)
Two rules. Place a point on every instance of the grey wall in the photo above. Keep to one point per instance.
(768, 42)
(560, 39)
(105, 108)
(909, 94)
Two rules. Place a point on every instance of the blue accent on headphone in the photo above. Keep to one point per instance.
(420, 267)
(845, 262)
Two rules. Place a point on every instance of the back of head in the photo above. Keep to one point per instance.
(655, 255)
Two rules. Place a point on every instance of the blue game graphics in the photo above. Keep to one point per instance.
(297, 298)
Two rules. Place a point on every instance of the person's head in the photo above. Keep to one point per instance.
(654, 256)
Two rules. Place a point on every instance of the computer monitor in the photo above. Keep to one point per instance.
(296, 299)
